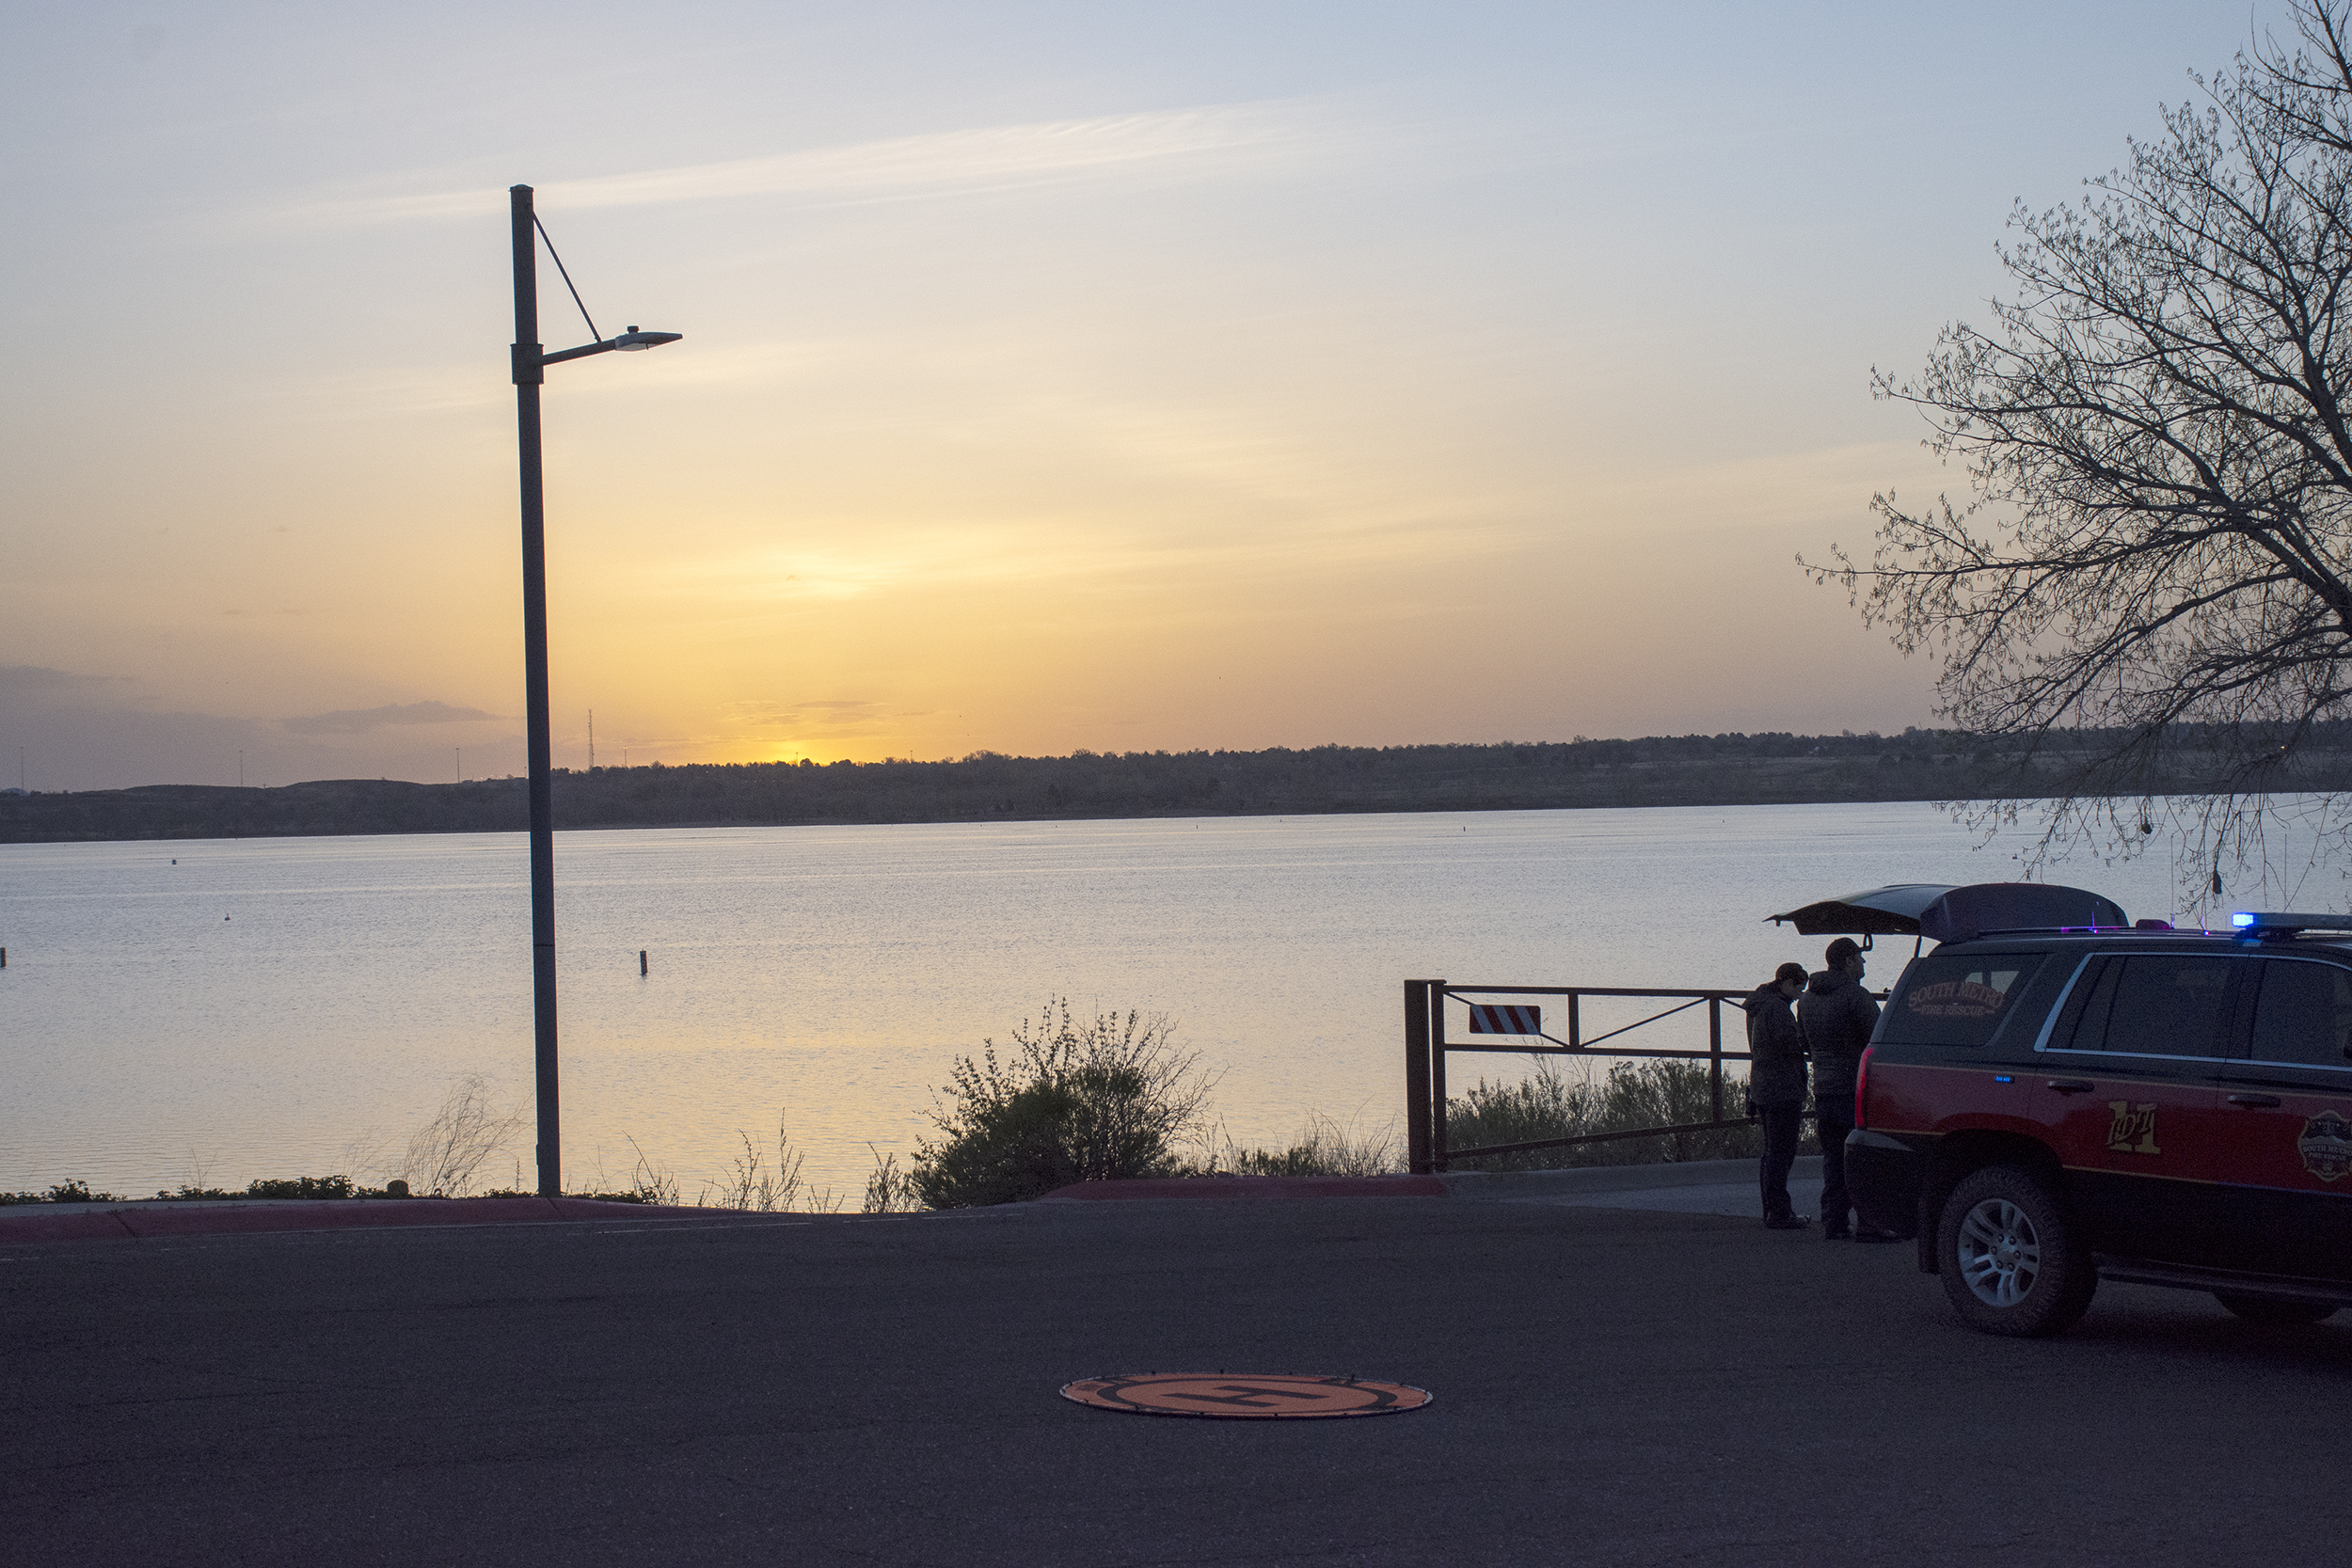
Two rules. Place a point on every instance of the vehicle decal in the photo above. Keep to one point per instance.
(2326, 1146)
(1956, 999)
(2132, 1129)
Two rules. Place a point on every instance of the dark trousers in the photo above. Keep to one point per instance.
(1780, 1125)
(1836, 1204)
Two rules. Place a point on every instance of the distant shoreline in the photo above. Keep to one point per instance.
(1684, 770)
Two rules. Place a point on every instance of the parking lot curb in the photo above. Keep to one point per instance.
(155, 1221)
(1476, 1186)
(1226, 1189)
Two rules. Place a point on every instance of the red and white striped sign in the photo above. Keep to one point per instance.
(1499, 1019)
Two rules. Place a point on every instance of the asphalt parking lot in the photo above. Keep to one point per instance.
(1612, 1387)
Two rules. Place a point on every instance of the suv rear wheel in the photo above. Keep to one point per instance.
(2274, 1310)
(2011, 1261)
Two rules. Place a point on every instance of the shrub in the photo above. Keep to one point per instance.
(1099, 1100)
(63, 1191)
(301, 1186)
(284, 1187)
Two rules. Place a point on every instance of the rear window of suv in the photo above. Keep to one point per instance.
(1957, 1000)
(2304, 1016)
(2149, 1005)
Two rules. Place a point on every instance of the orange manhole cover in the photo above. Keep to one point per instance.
(1244, 1397)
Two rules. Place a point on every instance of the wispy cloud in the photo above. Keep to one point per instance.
(978, 554)
(939, 164)
(358, 720)
(37, 686)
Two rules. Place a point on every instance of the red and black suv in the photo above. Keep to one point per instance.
(2042, 1109)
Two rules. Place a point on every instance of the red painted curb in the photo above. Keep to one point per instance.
(63, 1227)
(1229, 1188)
(225, 1220)
(335, 1215)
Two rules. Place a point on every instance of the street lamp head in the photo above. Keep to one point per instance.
(633, 340)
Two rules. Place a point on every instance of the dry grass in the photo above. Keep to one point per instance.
(1324, 1147)
(753, 1184)
(1551, 1105)
(447, 1154)
(650, 1184)
(890, 1190)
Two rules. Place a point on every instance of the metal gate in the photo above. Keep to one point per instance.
(1426, 1044)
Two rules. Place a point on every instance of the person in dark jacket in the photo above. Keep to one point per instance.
(1776, 1089)
(1835, 1017)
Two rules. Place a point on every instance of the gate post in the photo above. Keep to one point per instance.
(1437, 1076)
(1417, 1077)
(1715, 1053)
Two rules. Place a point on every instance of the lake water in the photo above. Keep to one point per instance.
(288, 1007)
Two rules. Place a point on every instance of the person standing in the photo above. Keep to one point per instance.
(1776, 1089)
(1835, 1016)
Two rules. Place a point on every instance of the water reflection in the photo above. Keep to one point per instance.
(285, 1006)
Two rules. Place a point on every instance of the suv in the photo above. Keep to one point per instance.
(2043, 1109)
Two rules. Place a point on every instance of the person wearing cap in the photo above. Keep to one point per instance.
(1835, 1016)
(1776, 1089)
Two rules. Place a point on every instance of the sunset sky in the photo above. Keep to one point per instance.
(1126, 376)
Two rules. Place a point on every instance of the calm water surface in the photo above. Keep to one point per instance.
(283, 1007)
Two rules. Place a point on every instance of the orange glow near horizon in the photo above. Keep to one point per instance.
(1039, 391)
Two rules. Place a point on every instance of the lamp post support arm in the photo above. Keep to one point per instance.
(580, 352)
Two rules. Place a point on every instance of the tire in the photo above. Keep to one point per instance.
(2274, 1310)
(2012, 1261)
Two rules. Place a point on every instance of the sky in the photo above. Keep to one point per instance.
(1134, 377)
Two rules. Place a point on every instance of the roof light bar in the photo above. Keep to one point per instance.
(2273, 924)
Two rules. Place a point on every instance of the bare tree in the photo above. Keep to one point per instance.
(2145, 599)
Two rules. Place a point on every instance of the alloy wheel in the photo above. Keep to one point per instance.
(2000, 1255)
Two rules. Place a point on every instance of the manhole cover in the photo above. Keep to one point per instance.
(1244, 1397)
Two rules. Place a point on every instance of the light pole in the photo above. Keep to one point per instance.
(531, 363)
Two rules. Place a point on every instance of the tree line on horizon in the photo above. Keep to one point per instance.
(1652, 770)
